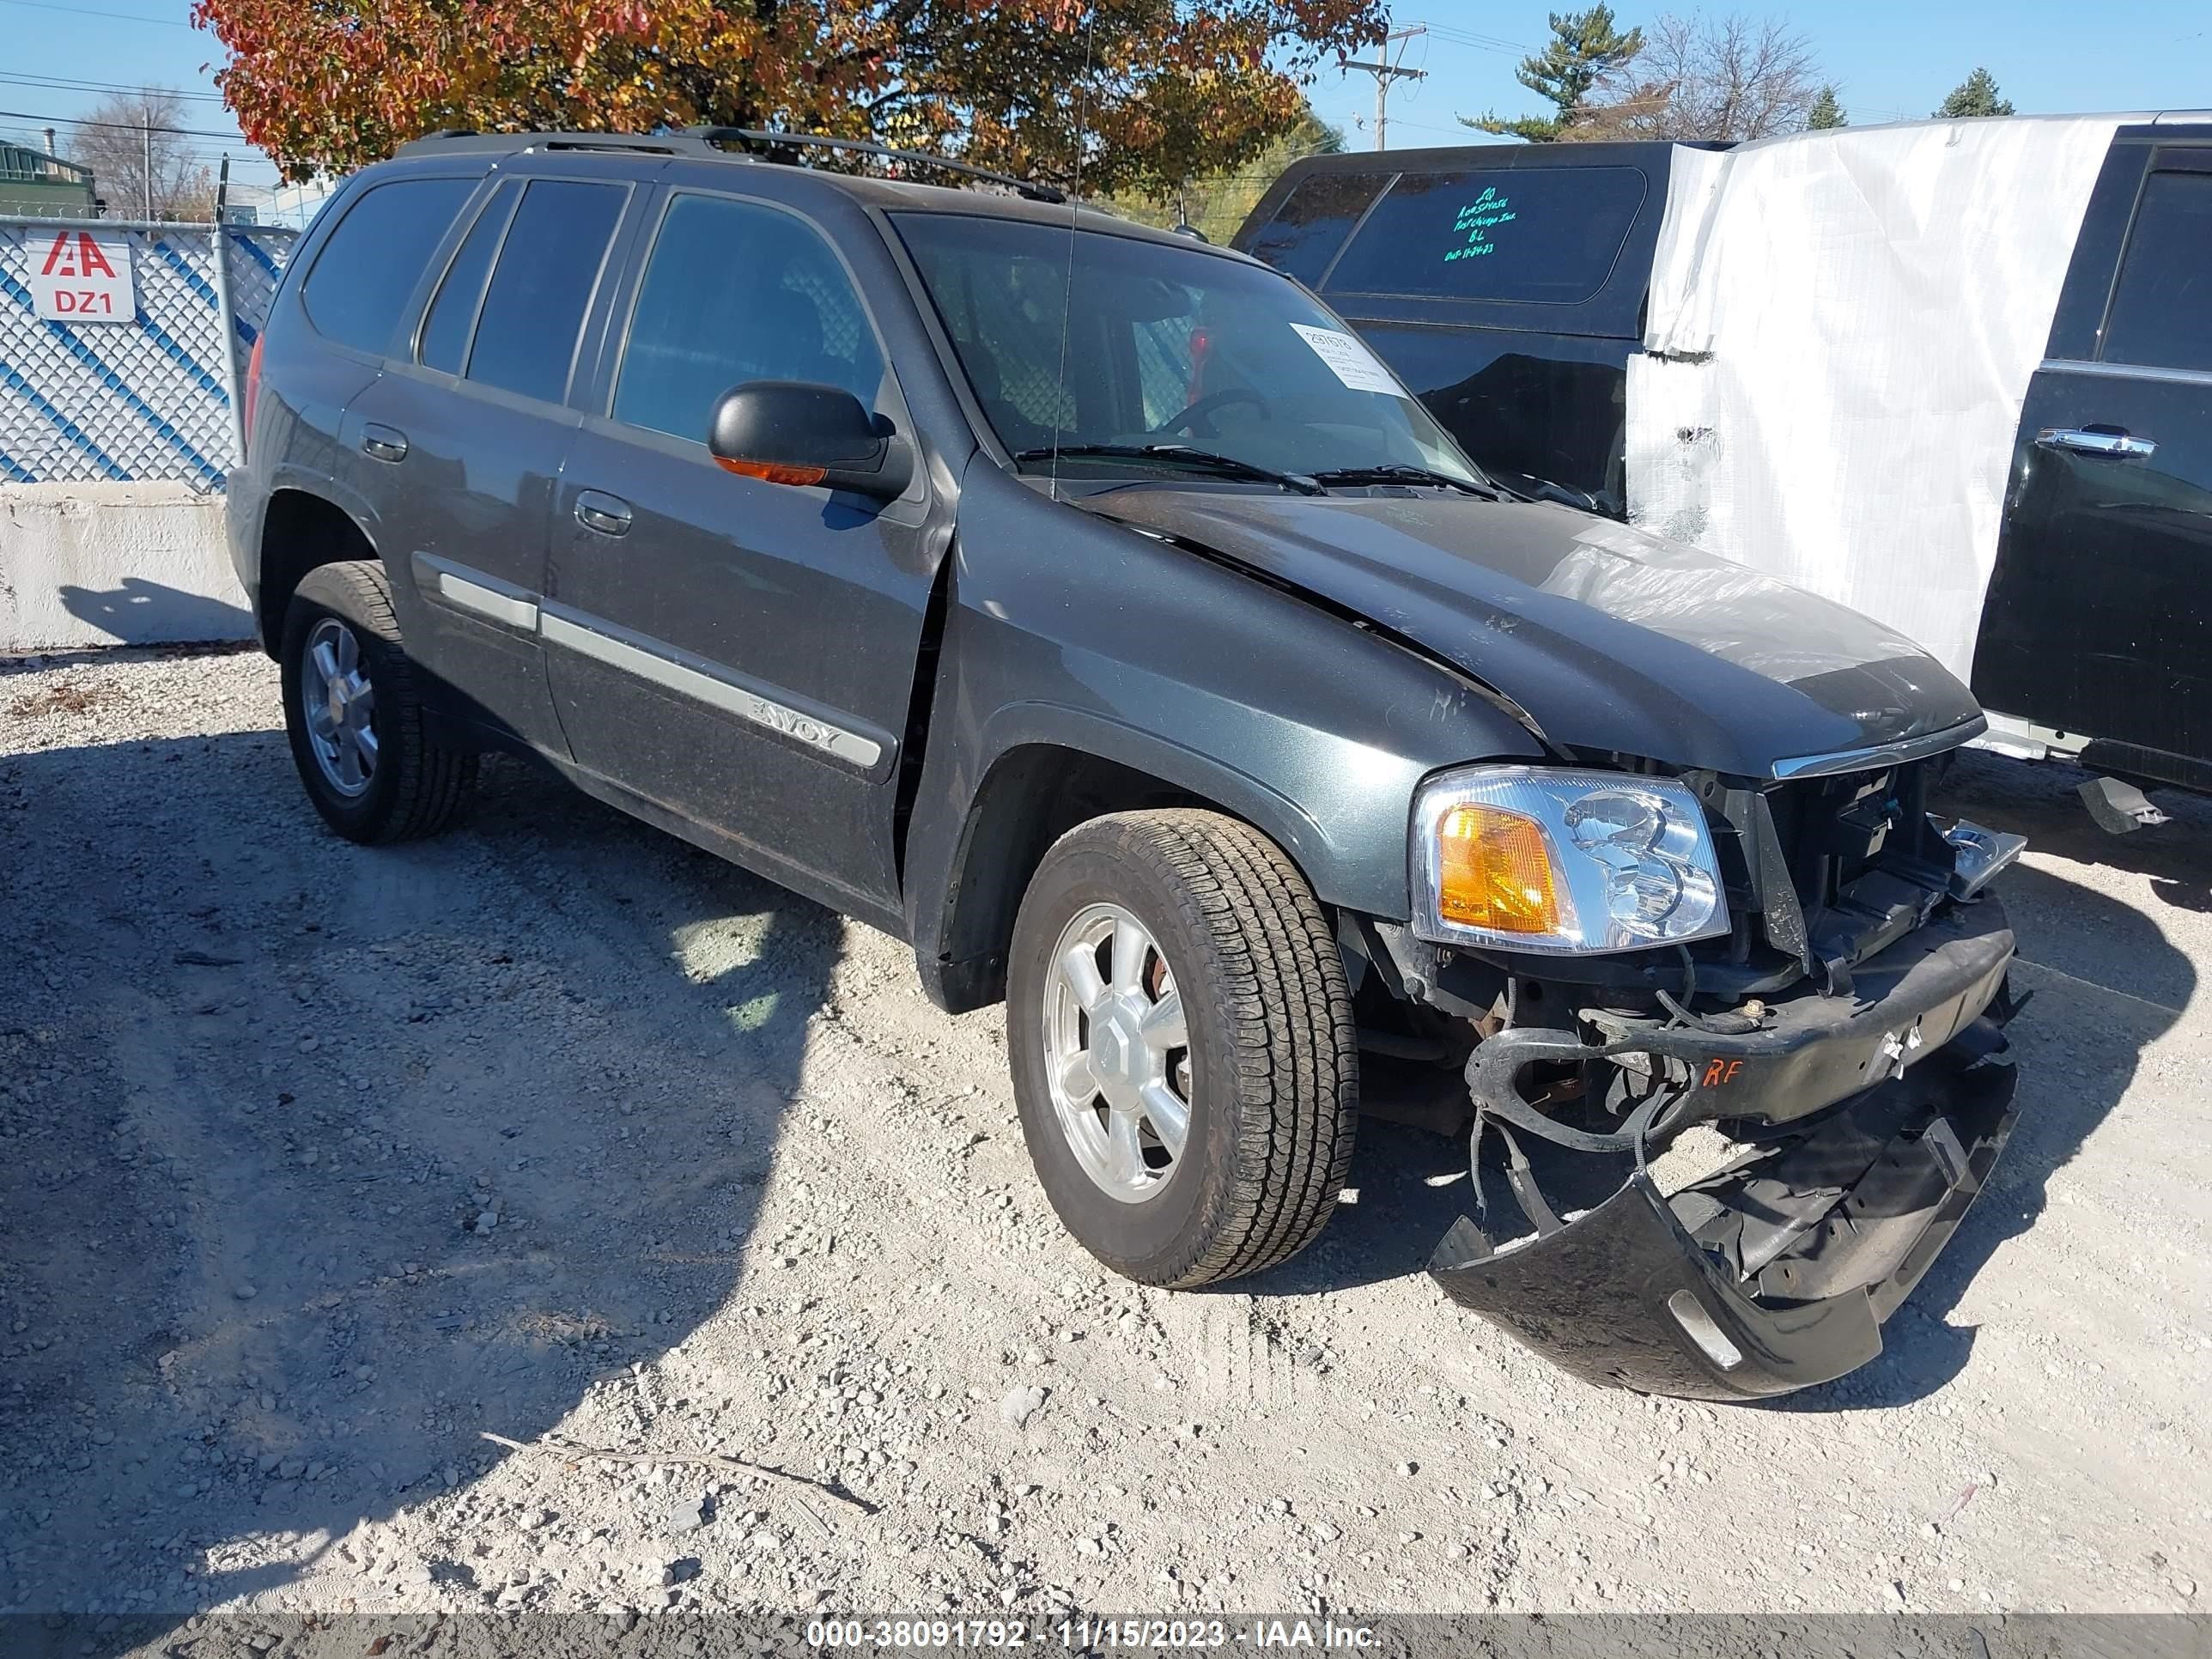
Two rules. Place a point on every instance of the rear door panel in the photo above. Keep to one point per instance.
(471, 492)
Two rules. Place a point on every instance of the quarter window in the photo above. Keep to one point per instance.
(368, 268)
(736, 292)
(1312, 223)
(549, 266)
(2162, 315)
(1546, 234)
(446, 336)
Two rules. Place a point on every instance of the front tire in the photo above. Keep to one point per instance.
(353, 711)
(1183, 1053)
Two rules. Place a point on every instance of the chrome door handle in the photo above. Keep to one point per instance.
(608, 514)
(2084, 441)
(385, 443)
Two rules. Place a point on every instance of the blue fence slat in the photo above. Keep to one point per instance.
(114, 382)
(148, 397)
(70, 429)
(183, 267)
(260, 257)
(160, 335)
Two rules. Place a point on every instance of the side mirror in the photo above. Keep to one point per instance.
(793, 431)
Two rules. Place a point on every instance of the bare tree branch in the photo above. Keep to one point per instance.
(141, 167)
(1703, 79)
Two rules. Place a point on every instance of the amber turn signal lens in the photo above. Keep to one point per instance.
(771, 471)
(1494, 871)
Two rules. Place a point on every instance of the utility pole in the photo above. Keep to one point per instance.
(148, 115)
(1385, 72)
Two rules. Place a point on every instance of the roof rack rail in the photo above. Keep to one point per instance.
(720, 141)
(753, 138)
(651, 144)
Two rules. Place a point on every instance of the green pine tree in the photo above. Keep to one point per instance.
(1585, 46)
(1826, 112)
(1975, 95)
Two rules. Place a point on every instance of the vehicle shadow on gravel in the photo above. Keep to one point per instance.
(323, 1160)
(2106, 980)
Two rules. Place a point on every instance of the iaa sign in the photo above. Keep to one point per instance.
(82, 276)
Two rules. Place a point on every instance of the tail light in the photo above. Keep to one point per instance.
(253, 384)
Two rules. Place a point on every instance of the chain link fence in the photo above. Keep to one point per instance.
(153, 397)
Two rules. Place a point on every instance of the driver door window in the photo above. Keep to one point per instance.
(734, 292)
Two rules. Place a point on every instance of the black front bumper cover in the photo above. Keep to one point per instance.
(1777, 1272)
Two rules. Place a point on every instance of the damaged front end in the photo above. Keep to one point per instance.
(1844, 1040)
(1772, 1274)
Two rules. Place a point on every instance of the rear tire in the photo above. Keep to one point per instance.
(1209, 912)
(353, 711)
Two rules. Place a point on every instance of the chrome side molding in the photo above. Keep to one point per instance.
(586, 635)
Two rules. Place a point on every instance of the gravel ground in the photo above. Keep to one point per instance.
(318, 1164)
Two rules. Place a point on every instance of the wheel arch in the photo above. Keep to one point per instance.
(1054, 769)
(302, 528)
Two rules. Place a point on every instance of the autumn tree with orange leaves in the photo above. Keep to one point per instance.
(1144, 92)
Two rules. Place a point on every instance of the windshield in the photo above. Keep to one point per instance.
(1168, 346)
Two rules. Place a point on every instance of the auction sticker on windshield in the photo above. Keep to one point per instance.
(1350, 360)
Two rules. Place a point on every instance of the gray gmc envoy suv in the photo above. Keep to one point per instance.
(1089, 607)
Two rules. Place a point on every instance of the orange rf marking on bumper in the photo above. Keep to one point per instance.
(1719, 1072)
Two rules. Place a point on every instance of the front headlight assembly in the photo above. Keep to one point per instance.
(1562, 863)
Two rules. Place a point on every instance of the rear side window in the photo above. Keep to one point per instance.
(549, 265)
(368, 268)
(1545, 235)
(1313, 222)
(735, 292)
(453, 312)
(2161, 314)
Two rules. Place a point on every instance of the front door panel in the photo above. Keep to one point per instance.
(2096, 622)
(742, 652)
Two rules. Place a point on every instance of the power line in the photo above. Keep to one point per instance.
(228, 146)
(1430, 127)
(126, 126)
(87, 11)
(1459, 37)
(58, 83)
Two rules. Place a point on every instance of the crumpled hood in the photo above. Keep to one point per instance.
(1611, 638)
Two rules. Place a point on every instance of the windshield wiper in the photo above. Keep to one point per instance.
(1397, 472)
(1177, 455)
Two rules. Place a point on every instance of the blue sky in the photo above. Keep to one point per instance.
(126, 43)
(1892, 58)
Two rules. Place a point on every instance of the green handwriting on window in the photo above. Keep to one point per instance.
(1475, 223)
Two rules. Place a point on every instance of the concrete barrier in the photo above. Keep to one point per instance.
(95, 564)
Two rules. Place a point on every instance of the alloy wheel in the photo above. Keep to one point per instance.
(1117, 1052)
